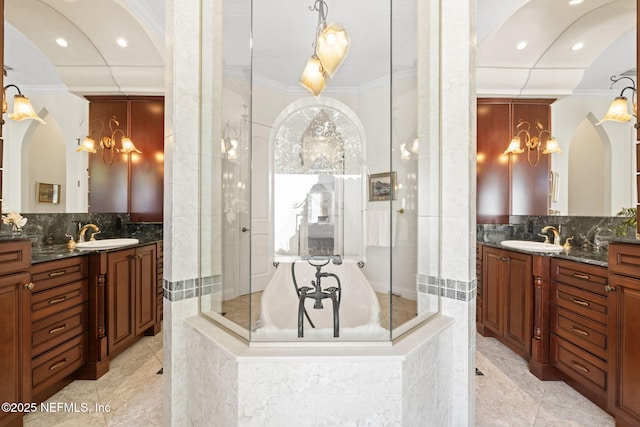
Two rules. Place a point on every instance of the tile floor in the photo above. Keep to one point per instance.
(506, 395)
(132, 388)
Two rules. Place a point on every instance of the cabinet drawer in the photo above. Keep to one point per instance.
(53, 330)
(50, 274)
(624, 259)
(15, 256)
(55, 300)
(587, 304)
(590, 278)
(58, 363)
(578, 330)
(579, 365)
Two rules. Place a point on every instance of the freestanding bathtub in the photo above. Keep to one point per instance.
(359, 312)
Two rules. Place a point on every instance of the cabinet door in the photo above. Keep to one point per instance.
(492, 172)
(11, 364)
(146, 181)
(624, 350)
(518, 296)
(120, 298)
(493, 270)
(145, 286)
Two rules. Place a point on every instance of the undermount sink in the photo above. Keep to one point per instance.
(526, 245)
(95, 245)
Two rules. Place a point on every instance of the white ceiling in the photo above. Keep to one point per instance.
(94, 64)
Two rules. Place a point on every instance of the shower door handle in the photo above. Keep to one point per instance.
(245, 229)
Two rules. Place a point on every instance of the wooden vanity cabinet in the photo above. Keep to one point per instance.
(579, 343)
(623, 394)
(59, 324)
(507, 298)
(15, 259)
(159, 289)
(479, 302)
(123, 303)
(131, 295)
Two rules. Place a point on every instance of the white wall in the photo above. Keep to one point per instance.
(68, 114)
(567, 116)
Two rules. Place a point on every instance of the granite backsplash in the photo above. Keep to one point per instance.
(586, 231)
(50, 229)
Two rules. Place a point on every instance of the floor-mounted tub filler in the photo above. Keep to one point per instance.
(319, 298)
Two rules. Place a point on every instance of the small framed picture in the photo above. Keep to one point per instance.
(48, 193)
(382, 186)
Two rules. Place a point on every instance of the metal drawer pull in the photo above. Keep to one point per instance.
(503, 258)
(58, 273)
(579, 331)
(609, 288)
(579, 302)
(58, 329)
(58, 300)
(581, 276)
(58, 364)
(30, 285)
(579, 366)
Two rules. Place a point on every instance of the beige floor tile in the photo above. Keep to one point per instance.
(507, 394)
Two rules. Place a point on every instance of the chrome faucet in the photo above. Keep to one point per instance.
(83, 230)
(556, 235)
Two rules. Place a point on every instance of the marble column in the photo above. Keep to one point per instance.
(180, 197)
(458, 191)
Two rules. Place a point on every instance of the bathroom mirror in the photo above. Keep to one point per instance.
(318, 179)
(294, 248)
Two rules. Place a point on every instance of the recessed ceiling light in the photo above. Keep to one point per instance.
(62, 42)
(122, 42)
(575, 2)
(521, 45)
(577, 46)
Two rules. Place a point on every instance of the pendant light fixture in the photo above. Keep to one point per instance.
(330, 48)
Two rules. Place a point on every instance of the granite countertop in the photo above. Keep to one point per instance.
(599, 258)
(56, 252)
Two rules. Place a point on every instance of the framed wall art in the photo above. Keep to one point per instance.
(382, 186)
(48, 193)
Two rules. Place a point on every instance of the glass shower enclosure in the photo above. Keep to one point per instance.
(319, 202)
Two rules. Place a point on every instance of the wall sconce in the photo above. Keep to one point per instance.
(22, 108)
(532, 142)
(330, 48)
(108, 142)
(406, 150)
(231, 137)
(618, 110)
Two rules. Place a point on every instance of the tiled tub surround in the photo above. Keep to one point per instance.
(50, 229)
(240, 384)
(581, 228)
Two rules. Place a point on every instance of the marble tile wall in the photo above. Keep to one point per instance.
(583, 229)
(50, 229)
(448, 288)
(457, 190)
(243, 386)
(181, 196)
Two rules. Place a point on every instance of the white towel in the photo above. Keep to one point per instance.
(381, 228)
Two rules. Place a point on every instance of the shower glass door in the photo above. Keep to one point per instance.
(320, 216)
